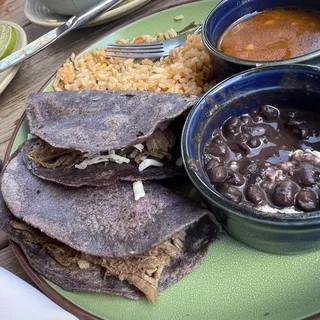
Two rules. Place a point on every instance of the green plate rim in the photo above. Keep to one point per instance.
(43, 284)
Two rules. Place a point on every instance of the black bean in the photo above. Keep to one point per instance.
(254, 143)
(270, 112)
(232, 126)
(238, 148)
(295, 163)
(236, 179)
(245, 119)
(257, 118)
(218, 140)
(216, 148)
(304, 132)
(293, 122)
(255, 195)
(286, 167)
(217, 174)
(267, 186)
(256, 130)
(307, 200)
(243, 137)
(289, 115)
(284, 193)
(248, 168)
(212, 163)
(231, 193)
(301, 130)
(305, 175)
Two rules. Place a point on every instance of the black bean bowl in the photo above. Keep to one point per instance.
(297, 86)
(229, 11)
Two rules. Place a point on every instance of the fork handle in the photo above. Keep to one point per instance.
(198, 30)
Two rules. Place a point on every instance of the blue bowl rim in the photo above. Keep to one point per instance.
(307, 57)
(207, 192)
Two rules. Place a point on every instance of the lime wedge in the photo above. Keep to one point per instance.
(8, 39)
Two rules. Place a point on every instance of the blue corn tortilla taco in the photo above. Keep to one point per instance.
(96, 138)
(100, 238)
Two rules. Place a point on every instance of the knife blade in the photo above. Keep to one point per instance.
(51, 36)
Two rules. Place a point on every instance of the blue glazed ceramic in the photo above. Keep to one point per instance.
(296, 86)
(229, 11)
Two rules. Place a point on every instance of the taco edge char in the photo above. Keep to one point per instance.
(100, 137)
(133, 271)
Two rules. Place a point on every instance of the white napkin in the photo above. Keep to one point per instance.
(20, 301)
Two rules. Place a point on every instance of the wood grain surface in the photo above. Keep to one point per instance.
(10, 262)
(12, 10)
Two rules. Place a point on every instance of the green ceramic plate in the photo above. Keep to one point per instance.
(234, 281)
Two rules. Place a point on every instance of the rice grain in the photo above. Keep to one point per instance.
(186, 70)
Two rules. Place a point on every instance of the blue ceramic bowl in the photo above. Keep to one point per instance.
(229, 11)
(297, 86)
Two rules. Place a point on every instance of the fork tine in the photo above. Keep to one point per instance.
(136, 56)
(137, 45)
(145, 50)
(134, 50)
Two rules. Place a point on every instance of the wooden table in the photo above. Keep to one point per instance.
(34, 73)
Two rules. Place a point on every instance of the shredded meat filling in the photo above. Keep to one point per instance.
(144, 270)
(51, 157)
(141, 270)
(158, 145)
(159, 142)
(63, 254)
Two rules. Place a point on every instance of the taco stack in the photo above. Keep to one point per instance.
(88, 231)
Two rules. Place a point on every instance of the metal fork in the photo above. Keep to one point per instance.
(151, 50)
